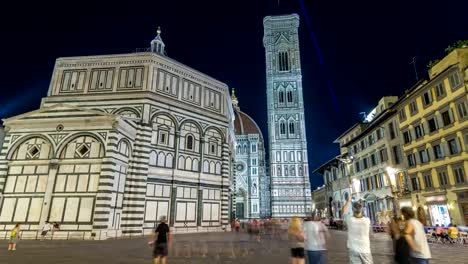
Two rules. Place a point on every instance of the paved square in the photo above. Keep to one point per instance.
(202, 248)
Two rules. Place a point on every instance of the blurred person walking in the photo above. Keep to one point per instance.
(296, 240)
(358, 234)
(14, 237)
(45, 229)
(416, 238)
(161, 240)
(315, 242)
(400, 246)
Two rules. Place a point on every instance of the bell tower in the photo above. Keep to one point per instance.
(290, 186)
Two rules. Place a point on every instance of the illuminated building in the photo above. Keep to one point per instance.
(290, 186)
(433, 121)
(252, 182)
(2, 136)
(370, 160)
(120, 141)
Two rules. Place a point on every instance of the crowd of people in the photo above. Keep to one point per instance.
(307, 238)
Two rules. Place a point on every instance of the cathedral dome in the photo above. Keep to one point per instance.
(243, 124)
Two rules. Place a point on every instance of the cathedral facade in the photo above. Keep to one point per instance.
(252, 183)
(290, 186)
(119, 142)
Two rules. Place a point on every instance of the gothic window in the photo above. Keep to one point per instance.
(189, 142)
(281, 97)
(301, 171)
(283, 61)
(278, 170)
(291, 127)
(286, 170)
(282, 128)
(245, 149)
(290, 96)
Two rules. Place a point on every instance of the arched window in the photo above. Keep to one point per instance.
(301, 172)
(169, 158)
(291, 127)
(153, 158)
(290, 96)
(189, 142)
(286, 170)
(281, 97)
(282, 128)
(278, 170)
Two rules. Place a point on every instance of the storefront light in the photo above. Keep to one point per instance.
(425, 207)
(414, 208)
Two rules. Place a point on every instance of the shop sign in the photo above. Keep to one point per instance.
(438, 198)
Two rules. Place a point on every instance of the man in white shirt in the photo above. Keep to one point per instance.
(358, 234)
(45, 229)
(315, 244)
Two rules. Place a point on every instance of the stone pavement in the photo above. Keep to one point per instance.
(204, 248)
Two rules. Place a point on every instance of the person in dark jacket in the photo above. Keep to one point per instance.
(400, 245)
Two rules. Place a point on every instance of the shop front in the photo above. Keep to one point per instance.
(438, 210)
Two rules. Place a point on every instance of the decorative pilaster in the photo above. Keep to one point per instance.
(135, 186)
(226, 182)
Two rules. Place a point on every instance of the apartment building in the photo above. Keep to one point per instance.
(434, 129)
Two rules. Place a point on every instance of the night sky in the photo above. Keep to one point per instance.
(365, 49)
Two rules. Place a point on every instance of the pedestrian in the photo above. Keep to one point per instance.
(161, 240)
(452, 233)
(416, 238)
(14, 237)
(45, 229)
(358, 234)
(315, 244)
(296, 240)
(400, 246)
(237, 225)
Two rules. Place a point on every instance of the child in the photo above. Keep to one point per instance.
(14, 238)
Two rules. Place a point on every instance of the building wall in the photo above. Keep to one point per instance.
(438, 182)
(2, 136)
(177, 159)
(291, 194)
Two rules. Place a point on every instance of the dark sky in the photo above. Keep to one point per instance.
(366, 48)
